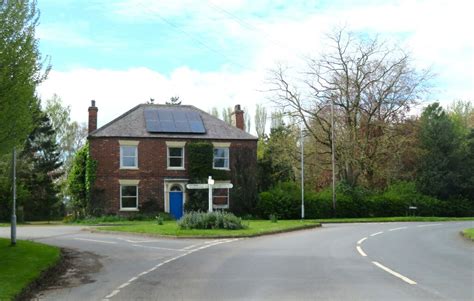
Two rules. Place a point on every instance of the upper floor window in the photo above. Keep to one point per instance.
(175, 154)
(176, 157)
(128, 154)
(221, 158)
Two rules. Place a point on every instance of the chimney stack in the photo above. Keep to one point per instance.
(238, 118)
(92, 117)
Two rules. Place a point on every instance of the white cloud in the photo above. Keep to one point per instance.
(118, 91)
(437, 33)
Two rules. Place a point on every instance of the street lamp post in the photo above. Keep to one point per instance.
(302, 171)
(13, 221)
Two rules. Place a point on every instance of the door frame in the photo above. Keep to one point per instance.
(168, 183)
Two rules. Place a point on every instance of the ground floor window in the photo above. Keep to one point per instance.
(128, 197)
(220, 198)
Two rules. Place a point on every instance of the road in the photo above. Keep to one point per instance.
(391, 261)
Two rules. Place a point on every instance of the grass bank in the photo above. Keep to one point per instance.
(23, 264)
(170, 228)
(394, 219)
(469, 233)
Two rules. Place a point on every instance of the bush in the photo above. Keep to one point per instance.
(210, 220)
(284, 201)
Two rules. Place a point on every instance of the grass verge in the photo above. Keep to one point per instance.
(394, 219)
(468, 233)
(170, 228)
(23, 264)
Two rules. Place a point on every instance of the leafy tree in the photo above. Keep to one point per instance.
(20, 71)
(277, 157)
(439, 172)
(39, 168)
(70, 136)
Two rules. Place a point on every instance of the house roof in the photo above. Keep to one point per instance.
(132, 124)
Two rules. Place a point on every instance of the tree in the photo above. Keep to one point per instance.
(174, 100)
(21, 70)
(260, 120)
(440, 165)
(372, 87)
(80, 182)
(278, 157)
(214, 112)
(39, 168)
(227, 115)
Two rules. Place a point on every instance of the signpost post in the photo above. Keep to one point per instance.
(210, 185)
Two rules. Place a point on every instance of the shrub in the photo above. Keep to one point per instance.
(210, 220)
(284, 201)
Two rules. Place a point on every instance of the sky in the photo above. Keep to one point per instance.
(218, 53)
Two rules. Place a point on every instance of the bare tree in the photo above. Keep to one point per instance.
(227, 115)
(247, 120)
(260, 120)
(372, 87)
(214, 112)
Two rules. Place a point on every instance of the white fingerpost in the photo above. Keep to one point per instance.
(210, 182)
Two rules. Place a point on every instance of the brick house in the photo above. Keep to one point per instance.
(141, 155)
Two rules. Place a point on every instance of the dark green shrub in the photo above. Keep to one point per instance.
(273, 218)
(284, 201)
(210, 220)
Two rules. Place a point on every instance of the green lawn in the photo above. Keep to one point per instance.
(22, 264)
(170, 228)
(394, 219)
(469, 233)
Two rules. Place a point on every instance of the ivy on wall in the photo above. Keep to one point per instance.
(80, 181)
(200, 159)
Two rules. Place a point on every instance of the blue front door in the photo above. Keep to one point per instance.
(176, 204)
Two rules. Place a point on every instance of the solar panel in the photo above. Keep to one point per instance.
(173, 121)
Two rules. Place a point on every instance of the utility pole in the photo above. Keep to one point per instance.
(333, 159)
(302, 171)
(13, 221)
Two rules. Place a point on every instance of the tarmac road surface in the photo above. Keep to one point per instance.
(389, 261)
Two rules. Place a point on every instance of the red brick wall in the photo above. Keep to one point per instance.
(152, 169)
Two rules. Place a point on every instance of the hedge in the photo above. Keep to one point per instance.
(284, 201)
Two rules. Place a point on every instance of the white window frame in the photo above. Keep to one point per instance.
(174, 157)
(133, 183)
(221, 145)
(128, 143)
(226, 206)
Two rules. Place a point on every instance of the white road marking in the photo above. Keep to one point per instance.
(361, 240)
(376, 233)
(406, 279)
(430, 225)
(210, 244)
(361, 251)
(137, 241)
(399, 228)
(190, 247)
(115, 292)
(159, 248)
(95, 240)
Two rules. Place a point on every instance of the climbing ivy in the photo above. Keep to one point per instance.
(200, 158)
(81, 180)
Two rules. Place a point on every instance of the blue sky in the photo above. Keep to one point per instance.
(218, 53)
